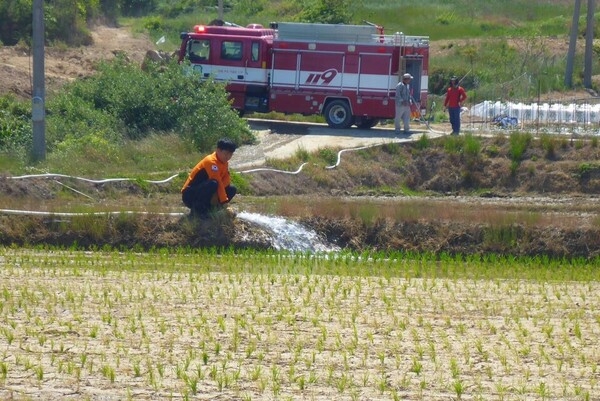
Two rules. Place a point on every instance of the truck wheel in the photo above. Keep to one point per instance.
(338, 115)
(366, 123)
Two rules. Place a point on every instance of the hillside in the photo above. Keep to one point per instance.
(66, 64)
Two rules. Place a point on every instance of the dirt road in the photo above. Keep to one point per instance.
(278, 139)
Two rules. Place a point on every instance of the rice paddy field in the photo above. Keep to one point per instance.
(225, 325)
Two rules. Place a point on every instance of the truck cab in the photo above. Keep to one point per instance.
(235, 55)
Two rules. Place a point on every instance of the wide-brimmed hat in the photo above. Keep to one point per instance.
(407, 75)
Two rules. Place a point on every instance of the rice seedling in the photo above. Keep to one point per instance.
(9, 335)
(459, 388)
(254, 325)
(3, 370)
(109, 373)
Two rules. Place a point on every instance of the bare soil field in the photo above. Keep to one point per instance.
(65, 64)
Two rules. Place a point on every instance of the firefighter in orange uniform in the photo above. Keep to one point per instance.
(209, 183)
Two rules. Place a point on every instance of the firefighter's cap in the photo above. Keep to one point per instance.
(407, 76)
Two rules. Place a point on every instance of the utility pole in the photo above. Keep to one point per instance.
(38, 95)
(572, 45)
(589, 45)
(220, 7)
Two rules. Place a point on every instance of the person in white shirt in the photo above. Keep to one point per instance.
(403, 100)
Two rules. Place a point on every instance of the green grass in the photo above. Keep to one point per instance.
(439, 20)
(462, 19)
(155, 157)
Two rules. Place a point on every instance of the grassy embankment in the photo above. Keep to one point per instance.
(490, 61)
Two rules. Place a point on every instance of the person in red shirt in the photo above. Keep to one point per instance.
(455, 97)
(209, 183)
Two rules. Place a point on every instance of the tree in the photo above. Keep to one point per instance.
(15, 21)
(327, 12)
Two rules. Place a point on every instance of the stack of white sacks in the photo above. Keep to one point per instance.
(539, 113)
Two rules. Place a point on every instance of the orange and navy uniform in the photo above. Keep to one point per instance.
(210, 168)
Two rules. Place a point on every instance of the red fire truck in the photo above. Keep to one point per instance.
(347, 73)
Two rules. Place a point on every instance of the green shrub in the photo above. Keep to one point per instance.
(453, 144)
(584, 170)
(72, 118)
(302, 154)
(15, 125)
(153, 23)
(328, 155)
(121, 101)
(327, 12)
(468, 146)
(205, 113)
(492, 151)
(548, 143)
(472, 146)
(518, 145)
(137, 8)
(67, 20)
(423, 142)
(392, 148)
(133, 97)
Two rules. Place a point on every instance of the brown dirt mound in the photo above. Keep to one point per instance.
(63, 65)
